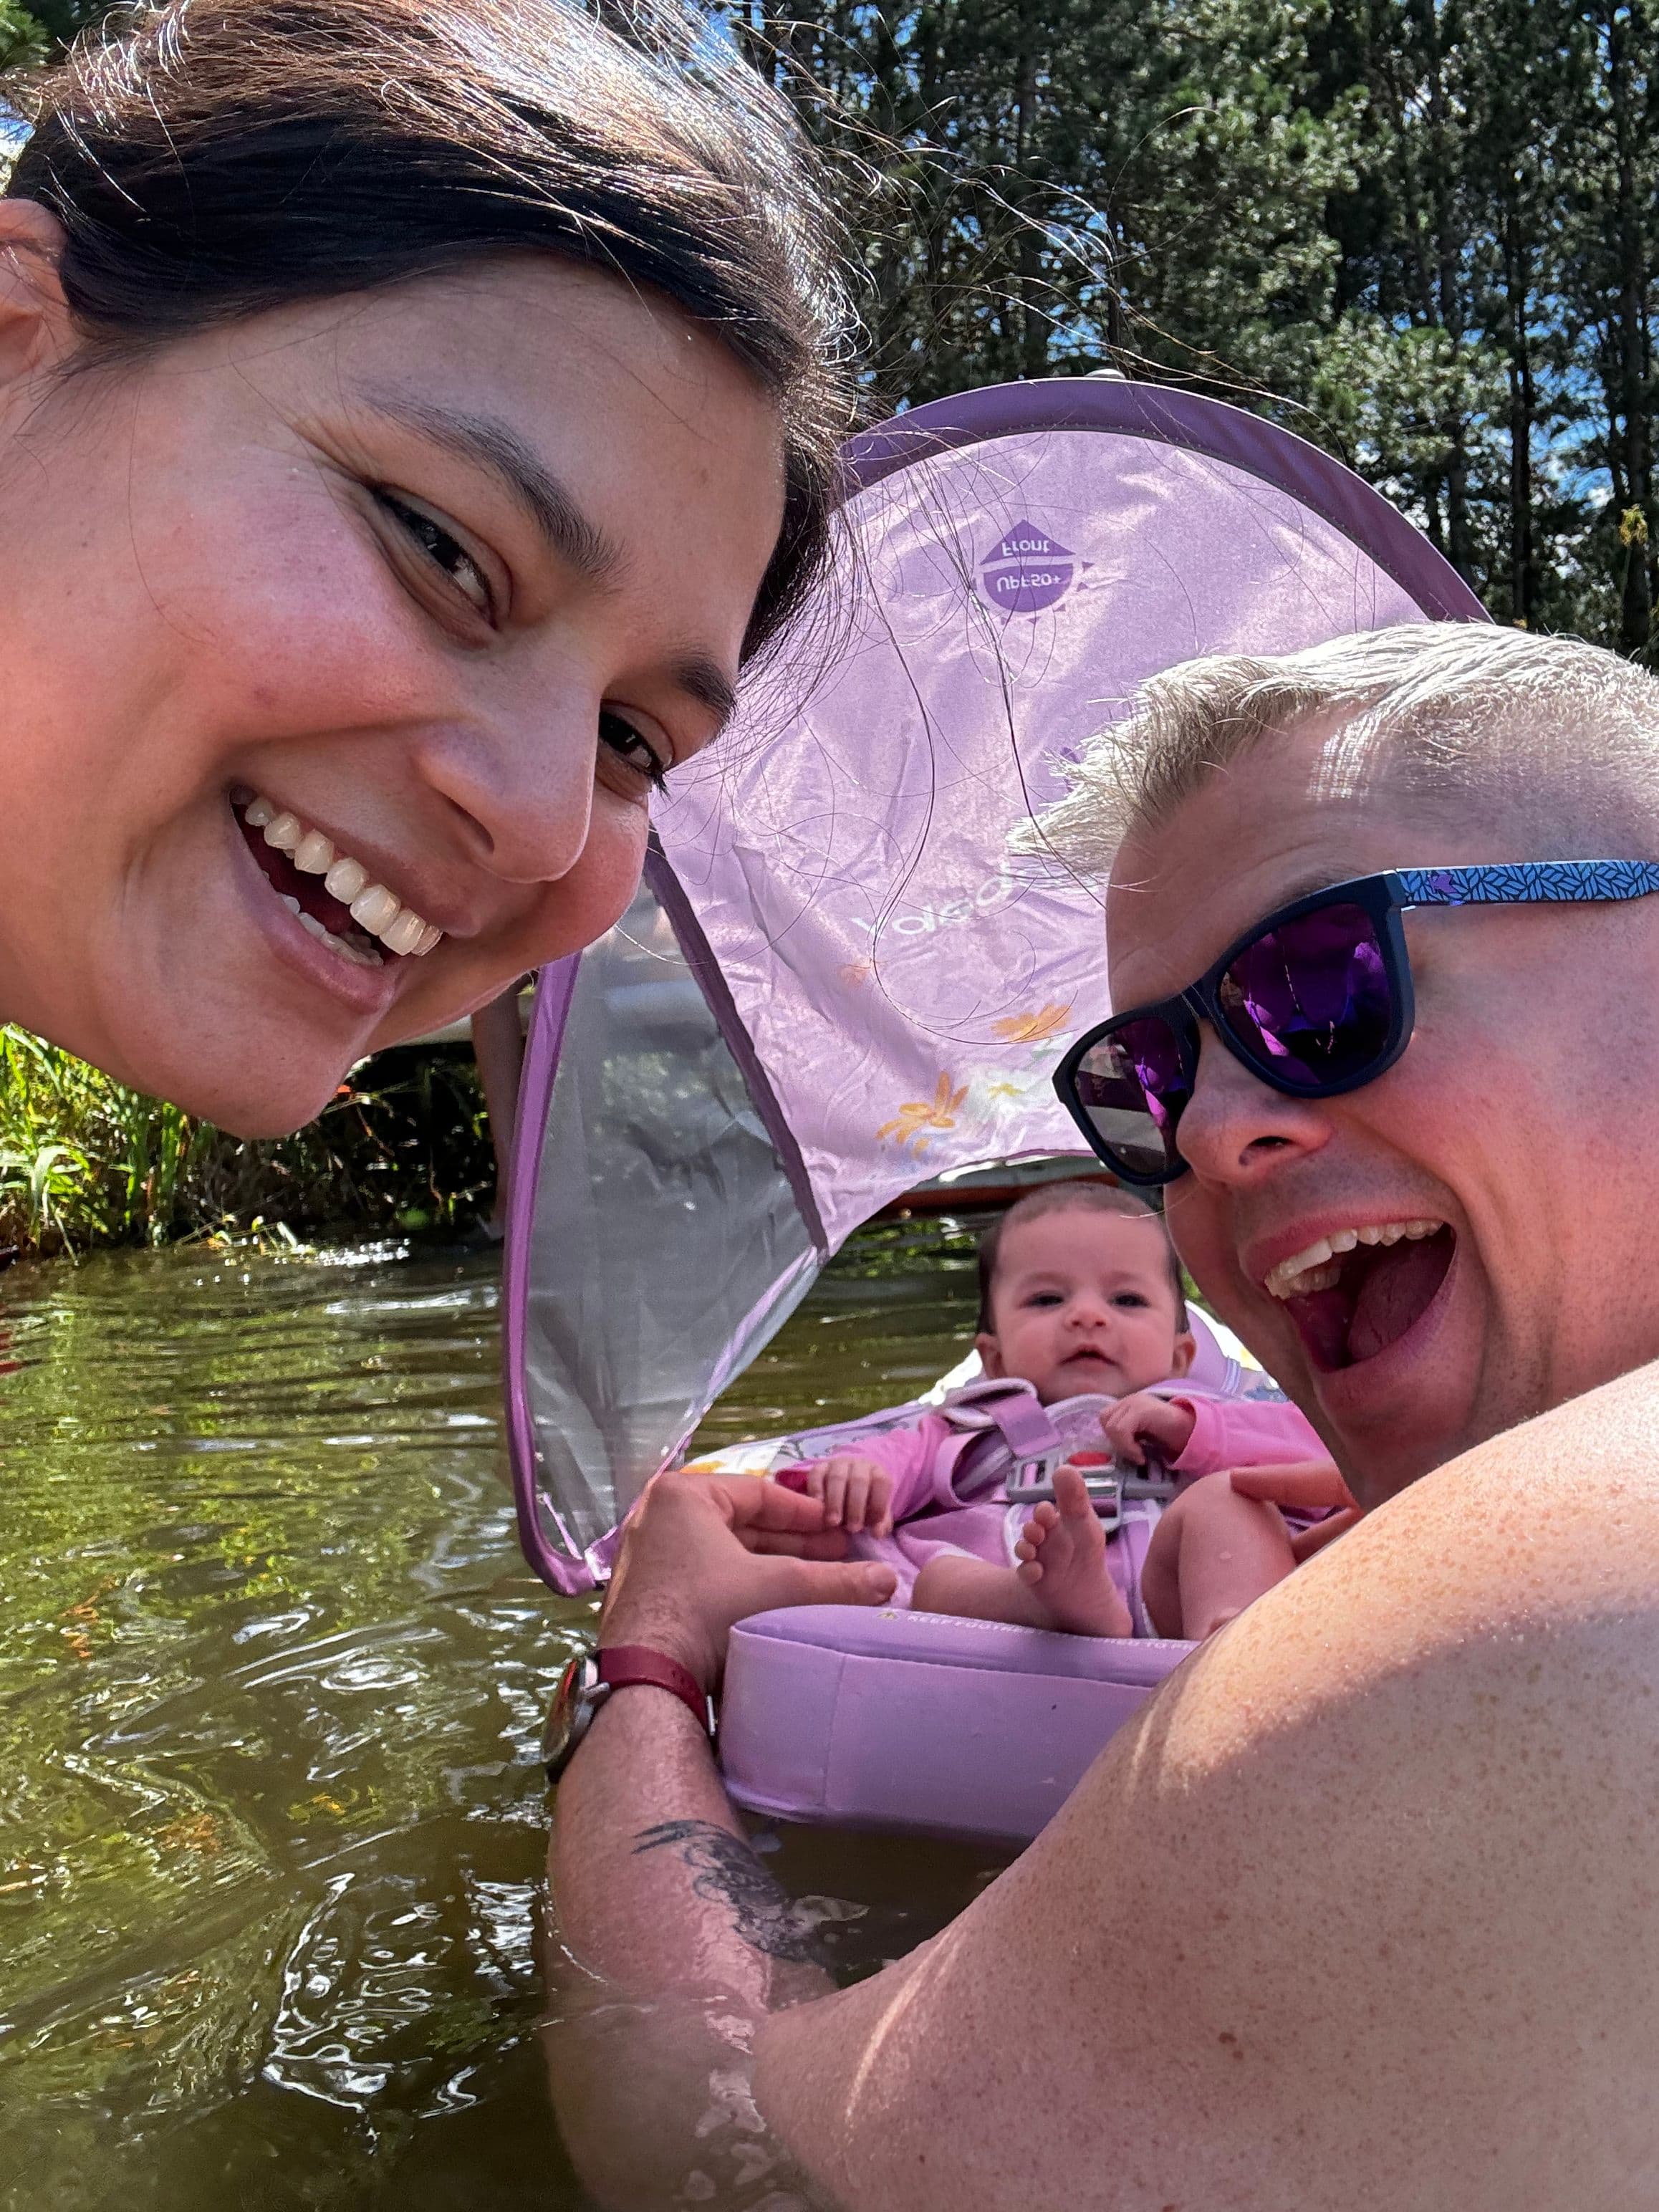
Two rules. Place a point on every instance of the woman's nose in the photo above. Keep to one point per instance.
(521, 779)
(1235, 1127)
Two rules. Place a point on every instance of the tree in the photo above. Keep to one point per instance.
(24, 40)
(1424, 232)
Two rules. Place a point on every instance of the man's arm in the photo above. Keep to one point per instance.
(674, 1940)
(1360, 1911)
(677, 1942)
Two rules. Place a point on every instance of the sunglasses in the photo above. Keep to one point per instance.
(1315, 1001)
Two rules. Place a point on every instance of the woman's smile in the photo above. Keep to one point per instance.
(333, 796)
(333, 895)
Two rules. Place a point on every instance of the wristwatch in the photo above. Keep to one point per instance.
(589, 1679)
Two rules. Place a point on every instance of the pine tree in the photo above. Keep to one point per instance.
(1425, 232)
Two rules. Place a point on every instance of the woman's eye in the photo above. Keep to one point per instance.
(444, 551)
(635, 752)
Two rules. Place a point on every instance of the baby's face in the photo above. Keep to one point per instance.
(1083, 1303)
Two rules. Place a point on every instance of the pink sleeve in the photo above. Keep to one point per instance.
(1229, 1432)
(908, 1454)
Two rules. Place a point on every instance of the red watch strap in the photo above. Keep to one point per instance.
(622, 1666)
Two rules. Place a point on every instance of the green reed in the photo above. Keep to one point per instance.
(86, 1161)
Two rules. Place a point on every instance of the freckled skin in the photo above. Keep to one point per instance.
(1360, 1911)
(200, 590)
(1522, 1111)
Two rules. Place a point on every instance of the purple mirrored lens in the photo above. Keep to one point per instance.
(1312, 999)
(1133, 1085)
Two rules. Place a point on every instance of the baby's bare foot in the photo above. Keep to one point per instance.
(1062, 1555)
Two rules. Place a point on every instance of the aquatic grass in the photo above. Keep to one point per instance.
(85, 1161)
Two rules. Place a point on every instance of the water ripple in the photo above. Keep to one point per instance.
(271, 1678)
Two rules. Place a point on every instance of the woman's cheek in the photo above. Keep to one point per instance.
(600, 889)
(586, 900)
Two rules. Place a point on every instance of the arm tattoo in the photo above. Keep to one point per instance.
(725, 1871)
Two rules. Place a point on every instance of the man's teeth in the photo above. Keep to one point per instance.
(375, 909)
(1320, 1268)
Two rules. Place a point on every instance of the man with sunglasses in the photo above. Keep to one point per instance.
(1360, 1912)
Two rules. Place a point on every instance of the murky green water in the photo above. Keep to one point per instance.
(271, 1677)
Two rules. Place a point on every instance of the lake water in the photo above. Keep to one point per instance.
(272, 1675)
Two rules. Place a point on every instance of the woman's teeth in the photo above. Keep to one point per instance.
(375, 909)
(1320, 1268)
(360, 955)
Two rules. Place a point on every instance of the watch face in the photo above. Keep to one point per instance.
(570, 1713)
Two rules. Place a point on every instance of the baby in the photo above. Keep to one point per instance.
(1080, 1294)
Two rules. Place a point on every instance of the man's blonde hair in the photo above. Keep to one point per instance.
(1438, 709)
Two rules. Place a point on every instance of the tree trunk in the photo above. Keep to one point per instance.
(1629, 331)
(1033, 321)
(1448, 301)
(1524, 413)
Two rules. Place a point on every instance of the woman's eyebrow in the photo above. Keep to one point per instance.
(704, 680)
(491, 444)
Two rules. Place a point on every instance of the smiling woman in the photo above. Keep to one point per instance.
(412, 416)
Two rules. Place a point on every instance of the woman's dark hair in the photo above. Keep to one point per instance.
(212, 159)
(1081, 1194)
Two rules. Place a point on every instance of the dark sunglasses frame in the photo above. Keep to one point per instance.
(1383, 899)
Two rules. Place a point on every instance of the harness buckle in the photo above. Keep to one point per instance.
(1110, 1485)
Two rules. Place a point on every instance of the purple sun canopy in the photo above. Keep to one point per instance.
(836, 981)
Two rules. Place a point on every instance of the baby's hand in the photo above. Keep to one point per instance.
(1146, 1419)
(856, 1493)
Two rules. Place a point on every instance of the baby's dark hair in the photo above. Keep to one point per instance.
(1085, 1196)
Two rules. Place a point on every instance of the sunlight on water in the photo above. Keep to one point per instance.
(271, 1678)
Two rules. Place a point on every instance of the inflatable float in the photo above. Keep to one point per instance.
(834, 983)
(899, 1719)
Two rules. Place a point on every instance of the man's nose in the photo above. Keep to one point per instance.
(1236, 1128)
(520, 778)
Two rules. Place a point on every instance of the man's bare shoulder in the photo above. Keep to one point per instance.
(1556, 1519)
(1378, 1853)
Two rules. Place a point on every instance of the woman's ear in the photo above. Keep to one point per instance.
(37, 329)
(1185, 1350)
(990, 1354)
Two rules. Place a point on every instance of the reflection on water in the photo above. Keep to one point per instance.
(271, 1677)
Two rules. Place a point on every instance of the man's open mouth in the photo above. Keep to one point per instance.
(331, 895)
(1355, 1292)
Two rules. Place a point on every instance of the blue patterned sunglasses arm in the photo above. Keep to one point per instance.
(1527, 883)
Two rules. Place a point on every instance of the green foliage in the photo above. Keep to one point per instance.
(85, 1161)
(24, 39)
(59, 20)
(1419, 232)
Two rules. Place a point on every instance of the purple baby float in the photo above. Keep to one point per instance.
(835, 982)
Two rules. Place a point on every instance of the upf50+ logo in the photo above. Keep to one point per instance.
(1026, 570)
